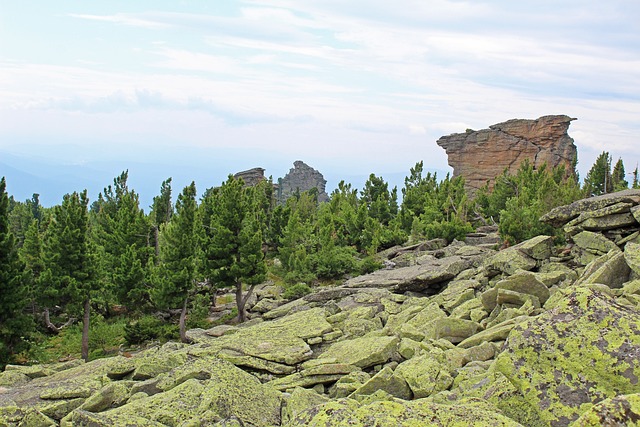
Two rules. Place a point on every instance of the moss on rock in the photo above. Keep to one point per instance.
(581, 352)
(363, 352)
(347, 412)
(424, 375)
(617, 411)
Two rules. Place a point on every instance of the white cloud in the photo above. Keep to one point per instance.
(123, 19)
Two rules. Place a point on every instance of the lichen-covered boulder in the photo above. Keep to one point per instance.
(454, 330)
(385, 413)
(579, 353)
(283, 341)
(610, 269)
(632, 257)
(349, 383)
(386, 380)
(509, 261)
(299, 400)
(363, 352)
(419, 278)
(563, 214)
(496, 389)
(539, 247)
(456, 293)
(424, 375)
(525, 283)
(594, 242)
(228, 393)
(618, 411)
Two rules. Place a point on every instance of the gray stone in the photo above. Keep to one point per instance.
(386, 380)
(525, 283)
(539, 247)
(509, 261)
(594, 242)
(610, 269)
(563, 214)
(632, 257)
(301, 177)
(426, 277)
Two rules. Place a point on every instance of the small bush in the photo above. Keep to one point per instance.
(369, 265)
(296, 291)
(105, 337)
(149, 328)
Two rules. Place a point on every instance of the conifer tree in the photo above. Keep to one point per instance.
(122, 233)
(233, 241)
(598, 180)
(161, 212)
(31, 256)
(14, 324)
(618, 177)
(179, 257)
(69, 279)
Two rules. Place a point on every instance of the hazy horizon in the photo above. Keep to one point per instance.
(198, 90)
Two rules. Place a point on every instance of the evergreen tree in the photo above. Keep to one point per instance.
(233, 241)
(179, 255)
(414, 195)
(618, 177)
(161, 212)
(122, 233)
(296, 244)
(31, 256)
(14, 324)
(519, 200)
(598, 180)
(70, 263)
(162, 209)
(635, 184)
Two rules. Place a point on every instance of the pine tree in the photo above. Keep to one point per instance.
(14, 324)
(122, 232)
(179, 255)
(635, 183)
(70, 263)
(618, 177)
(598, 180)
(233, 241)
(31, 256)
(161, 212)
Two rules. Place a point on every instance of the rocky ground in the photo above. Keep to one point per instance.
(465, 335)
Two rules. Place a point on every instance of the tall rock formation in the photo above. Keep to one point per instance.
(480, 156)
(251, 177)
(301, 177)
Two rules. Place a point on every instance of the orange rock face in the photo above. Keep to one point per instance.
(482, 155)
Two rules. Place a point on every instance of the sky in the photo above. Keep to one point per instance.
(201, 89)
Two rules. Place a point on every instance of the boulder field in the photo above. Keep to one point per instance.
(446, 335)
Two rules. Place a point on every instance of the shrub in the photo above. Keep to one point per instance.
(296, 291)
(149, 328)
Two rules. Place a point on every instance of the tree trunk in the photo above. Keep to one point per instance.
(183, 322)
(47, 321)
(242, 302)
(156, 243)
(85, 329)
(53, 328)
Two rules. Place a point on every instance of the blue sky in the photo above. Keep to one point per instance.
(351, 87)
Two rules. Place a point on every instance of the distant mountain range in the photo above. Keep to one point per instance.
(51, 178)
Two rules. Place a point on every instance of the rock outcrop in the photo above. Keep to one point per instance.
(301, 177)
(480, 156)
(532, 335)
(251, 177)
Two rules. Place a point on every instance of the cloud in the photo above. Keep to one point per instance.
(123, 19)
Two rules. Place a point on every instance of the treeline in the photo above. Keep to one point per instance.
(109, 257)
